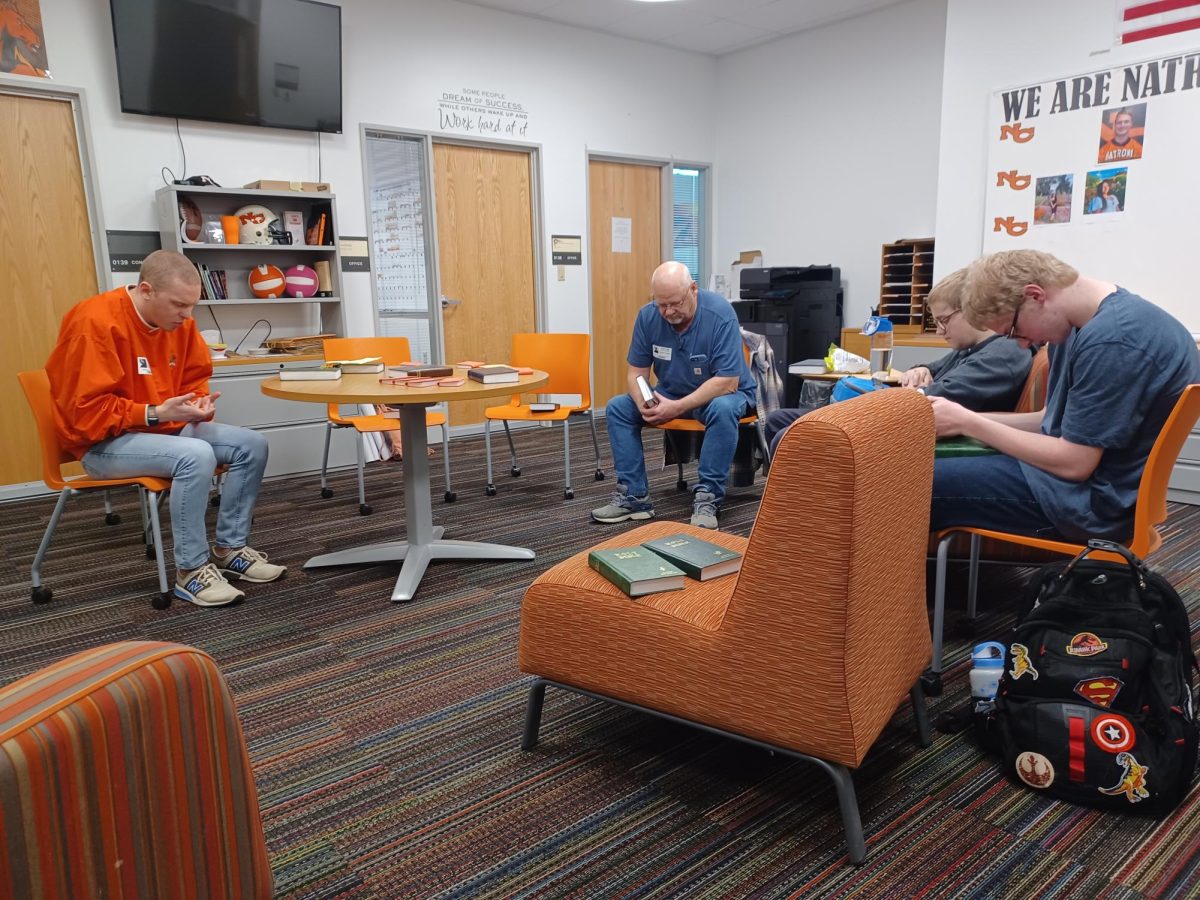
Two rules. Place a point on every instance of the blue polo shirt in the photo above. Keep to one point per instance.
(710, 346)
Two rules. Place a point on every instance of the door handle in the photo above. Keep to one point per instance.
(447, 302)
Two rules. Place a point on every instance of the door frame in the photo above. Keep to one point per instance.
(432, 251)
(44, 89)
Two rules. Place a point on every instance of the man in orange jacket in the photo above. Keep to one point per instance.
(129, 378)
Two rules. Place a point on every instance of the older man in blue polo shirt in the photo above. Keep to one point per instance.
(692, 341)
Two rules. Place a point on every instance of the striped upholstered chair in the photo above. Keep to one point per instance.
(813, 645)
(123, 774)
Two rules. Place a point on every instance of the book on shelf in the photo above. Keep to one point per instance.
(493, 374)
(420, 370)
(699, 558)
(366, 365)
(636, 570)
(543, 407)
(310, 373)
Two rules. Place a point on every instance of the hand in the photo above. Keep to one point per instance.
(208, 403)
(183, 408)
(950, 419)
(916, 377)
(664, 411)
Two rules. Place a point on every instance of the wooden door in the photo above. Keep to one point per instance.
(484, 201)
(46, 259)
(620, 280)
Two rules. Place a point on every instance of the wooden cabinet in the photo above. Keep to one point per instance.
(906, 275)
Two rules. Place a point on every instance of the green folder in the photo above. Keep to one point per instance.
(961, 446)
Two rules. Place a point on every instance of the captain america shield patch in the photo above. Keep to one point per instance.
(1113, 733)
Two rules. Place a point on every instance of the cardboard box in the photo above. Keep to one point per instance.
(311, 187)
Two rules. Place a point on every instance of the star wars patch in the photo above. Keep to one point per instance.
(1133, 781)
(1020, 662)
(1113, 733)
(1035, 770)
(1101, 691)
(1086, 644)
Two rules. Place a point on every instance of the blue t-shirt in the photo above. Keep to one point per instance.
(711, 345)
(1112, 385)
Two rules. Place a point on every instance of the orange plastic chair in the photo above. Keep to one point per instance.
(1033, 395)
(566, 358)
(694, 426)
(394, 351)
(1149, 513)
(36, 386)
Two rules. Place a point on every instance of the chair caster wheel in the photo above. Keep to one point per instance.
(150, 554)
(112, 518)
(326, 493)
(161, 601)
(490, 490)
(515, 471)
(681, 485)
(451, 496)
(599, 475)
(365, 509)
(965, 628)
(42, 594)
(931, 683)
(569, 494)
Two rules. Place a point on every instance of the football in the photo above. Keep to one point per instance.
(266, 282)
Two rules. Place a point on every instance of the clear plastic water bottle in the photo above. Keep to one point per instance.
(879, 330)
(987, 665)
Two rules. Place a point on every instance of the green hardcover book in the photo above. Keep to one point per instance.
(636, 570)
(700, 559)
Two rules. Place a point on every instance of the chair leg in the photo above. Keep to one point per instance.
(920, 714)
(490, 489)
(450, 496)
(163, 600)
(568, 491)
(595, 444)
(680, 483)
(326, 491)
(932, 680)
(363, 508)
(110, 517)
(764, 447)
(42, 594)
(856, 845)
(973, 576)
(533, 713)
(514, 470)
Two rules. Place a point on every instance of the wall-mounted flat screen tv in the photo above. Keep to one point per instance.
(276, 63)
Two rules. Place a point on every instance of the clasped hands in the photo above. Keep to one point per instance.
(188, 408)
(664, 411)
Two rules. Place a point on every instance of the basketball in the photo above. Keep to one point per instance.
(266, 282)
(300, 281)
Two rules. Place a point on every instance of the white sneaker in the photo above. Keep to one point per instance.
(206, 586)
(249, 565)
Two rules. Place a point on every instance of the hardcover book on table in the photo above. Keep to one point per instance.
(421, 370)
(367, 365)
(311, 373)
(699, 558)
(636, 570)
(493, 374)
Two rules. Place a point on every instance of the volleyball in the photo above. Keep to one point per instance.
(266, 282)
(300, 281)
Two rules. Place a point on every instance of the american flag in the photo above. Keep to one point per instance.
(1140, 20)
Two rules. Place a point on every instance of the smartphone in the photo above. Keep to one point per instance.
(648, 398)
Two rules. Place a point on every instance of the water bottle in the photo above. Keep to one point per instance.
(987, 665)
(879, 330)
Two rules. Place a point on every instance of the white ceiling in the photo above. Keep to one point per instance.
(703, 26)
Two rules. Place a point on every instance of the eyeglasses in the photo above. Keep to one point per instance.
(1012, 331)
(940, 321)
(674, 304)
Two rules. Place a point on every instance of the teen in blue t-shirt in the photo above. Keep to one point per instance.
(692, 342)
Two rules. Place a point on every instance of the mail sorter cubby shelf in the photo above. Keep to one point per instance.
(906, 275)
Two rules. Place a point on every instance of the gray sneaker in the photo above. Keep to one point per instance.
(624, 507)
(704, 510)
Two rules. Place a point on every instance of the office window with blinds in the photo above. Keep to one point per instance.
(688, 216)
(398, 201)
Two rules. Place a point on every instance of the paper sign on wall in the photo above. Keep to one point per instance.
(622, 235)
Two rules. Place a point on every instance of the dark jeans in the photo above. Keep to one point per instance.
(986, 492)
(778, 421)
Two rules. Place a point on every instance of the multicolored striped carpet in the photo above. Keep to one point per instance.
(384, 737)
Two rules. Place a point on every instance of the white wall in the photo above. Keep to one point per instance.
(827, 144)
(582, 90)
(995, 45)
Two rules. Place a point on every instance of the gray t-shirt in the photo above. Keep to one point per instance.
(988, 377)
(1112, 385)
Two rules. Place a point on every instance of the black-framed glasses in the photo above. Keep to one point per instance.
(1012, 330)
(940, 321)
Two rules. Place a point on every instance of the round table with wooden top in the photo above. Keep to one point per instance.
(424, 541)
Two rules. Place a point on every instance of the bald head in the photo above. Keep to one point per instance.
(674, 293)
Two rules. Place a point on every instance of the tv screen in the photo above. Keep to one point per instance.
(276, 63)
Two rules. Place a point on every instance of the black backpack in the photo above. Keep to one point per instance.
(1095, 703)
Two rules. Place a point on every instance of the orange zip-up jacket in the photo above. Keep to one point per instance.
(109, 365)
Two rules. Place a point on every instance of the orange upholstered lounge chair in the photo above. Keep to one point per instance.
(124, 773)
(813, 645)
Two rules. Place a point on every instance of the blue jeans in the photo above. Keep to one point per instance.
(986, 492)
(720, 417)
(189, 459)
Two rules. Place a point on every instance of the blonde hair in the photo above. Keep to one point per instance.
(166, 266)
(948, 291)
(995, 284)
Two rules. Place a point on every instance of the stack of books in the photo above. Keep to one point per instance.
(663, 563)
(366, 365)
